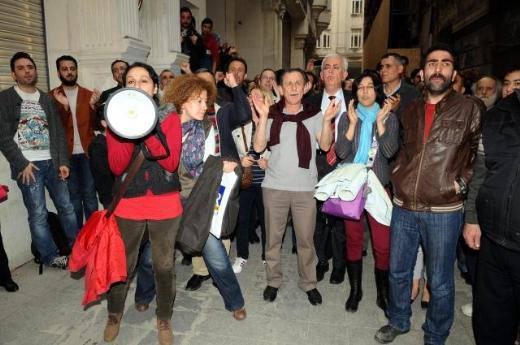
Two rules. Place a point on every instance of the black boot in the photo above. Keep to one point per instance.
(382, 289)
(355, 273)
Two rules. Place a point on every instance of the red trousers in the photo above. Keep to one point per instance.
(354, 231)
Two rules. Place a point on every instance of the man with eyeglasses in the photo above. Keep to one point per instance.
(430, 179)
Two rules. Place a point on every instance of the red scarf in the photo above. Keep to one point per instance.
(303, 138)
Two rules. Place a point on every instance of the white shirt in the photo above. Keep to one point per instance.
(325, 101)
(72, 96)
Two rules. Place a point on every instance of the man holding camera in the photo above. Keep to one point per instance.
(191, 41)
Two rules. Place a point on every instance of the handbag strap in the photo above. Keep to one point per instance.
(132, 171)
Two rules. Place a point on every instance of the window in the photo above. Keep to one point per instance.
(357, 6)
(323, 41)
(355, 39)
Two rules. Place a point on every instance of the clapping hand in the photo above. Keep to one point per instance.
(382, 115)
(394, 100)
(94, 99)
(352, 115)
(331, 111)
(261, 105)
(61, 98)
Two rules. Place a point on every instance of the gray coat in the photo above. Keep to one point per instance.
(388, 145)
(10, 104)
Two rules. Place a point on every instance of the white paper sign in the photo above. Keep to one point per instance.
(226, 186)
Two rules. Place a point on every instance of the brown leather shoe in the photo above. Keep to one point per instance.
(240, 314)
(141, 307)
(112, 327)
(164, 328)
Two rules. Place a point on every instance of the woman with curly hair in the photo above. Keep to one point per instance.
(190, 94)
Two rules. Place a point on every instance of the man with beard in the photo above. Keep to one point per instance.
(33, 142)
(77, 107)
(487, 89)
(432, 171)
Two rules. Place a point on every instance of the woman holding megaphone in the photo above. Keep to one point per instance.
(151, 201)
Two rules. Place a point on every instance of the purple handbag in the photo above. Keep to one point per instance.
(346, 209)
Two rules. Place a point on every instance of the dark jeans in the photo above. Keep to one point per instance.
(496, 295)
(5, 274)
(81, 187)
(34, 200)
(251, 209)
(219, 267)
(329, 233)
(145, 287)
(439, 234)
(162, 239)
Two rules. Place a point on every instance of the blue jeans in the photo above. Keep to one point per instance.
(34, 199)
(219, 267)
(81, 187)
(145, 289)
(439, 234)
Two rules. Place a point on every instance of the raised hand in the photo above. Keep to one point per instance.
(261, 105)
(219, 75)
(394, 101)
(310, 65)
(61, 98)
(186, 68)
(94, 99)
(332, 110)
(352, 115)
(254, 114)
(382, 115)
(230, 80)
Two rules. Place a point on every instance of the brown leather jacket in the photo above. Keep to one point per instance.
(86, 118)
(425, 173)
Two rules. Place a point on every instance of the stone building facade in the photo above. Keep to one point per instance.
(344, 35)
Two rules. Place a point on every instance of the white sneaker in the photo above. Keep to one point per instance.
(60, 262)
(467, 309)
(239, 265)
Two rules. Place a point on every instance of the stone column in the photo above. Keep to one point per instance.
(160, 27)
(95, 32)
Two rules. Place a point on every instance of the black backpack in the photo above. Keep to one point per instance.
(59, 237)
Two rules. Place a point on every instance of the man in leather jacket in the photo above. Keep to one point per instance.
(493, 210)
(430, 178)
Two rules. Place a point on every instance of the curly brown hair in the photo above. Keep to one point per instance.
(186, 87)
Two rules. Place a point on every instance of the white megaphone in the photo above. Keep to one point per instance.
(131, 113)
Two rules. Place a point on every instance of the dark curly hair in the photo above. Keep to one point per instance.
(185, 87)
